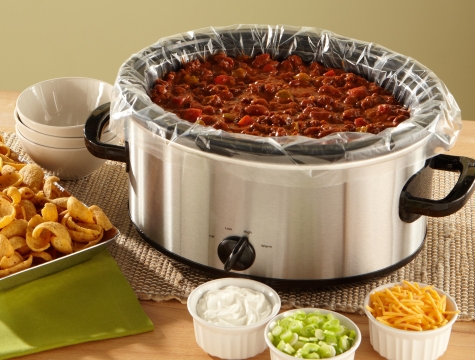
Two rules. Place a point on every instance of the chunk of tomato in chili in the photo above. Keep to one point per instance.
(330, 73)
(223, 79)
(269, 68)
(384, 109)
(226, 62)
(261, 60)
(179, 101)
(191, 114)
(360, 122)
(358, 92)
(245, 120)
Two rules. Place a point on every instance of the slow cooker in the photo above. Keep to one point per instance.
(283, 210)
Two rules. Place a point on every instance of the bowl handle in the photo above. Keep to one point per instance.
(92, 134)
(454, 201)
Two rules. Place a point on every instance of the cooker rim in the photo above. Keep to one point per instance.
(289, 166)
(331, 148)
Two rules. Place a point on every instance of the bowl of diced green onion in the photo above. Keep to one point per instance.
(312, 334)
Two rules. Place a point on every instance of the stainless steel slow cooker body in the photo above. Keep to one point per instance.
(316, 213)
(308, 222)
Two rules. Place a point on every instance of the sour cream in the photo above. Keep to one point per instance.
(233, 306)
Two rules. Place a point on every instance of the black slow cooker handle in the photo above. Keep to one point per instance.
(92, 135)
(457, 197)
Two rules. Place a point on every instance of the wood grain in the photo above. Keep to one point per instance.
(7, 105)
(173, 337)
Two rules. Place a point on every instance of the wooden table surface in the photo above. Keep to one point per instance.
(173, 337)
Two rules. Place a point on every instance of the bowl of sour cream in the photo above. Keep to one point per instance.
(230, 316)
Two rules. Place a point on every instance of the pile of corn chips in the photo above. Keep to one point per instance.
(37, 222)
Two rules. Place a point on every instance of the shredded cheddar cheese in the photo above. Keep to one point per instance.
(410, 307)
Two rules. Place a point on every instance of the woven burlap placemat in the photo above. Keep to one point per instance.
(447, 259)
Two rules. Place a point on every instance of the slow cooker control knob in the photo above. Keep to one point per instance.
(236, 253)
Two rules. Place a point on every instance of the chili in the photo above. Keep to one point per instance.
(264, 97)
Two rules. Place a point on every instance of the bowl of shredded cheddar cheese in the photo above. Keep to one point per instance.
(410, 320)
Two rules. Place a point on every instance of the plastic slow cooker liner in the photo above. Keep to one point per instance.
(435, 116)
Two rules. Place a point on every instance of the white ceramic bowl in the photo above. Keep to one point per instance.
(276, 354)
(67, 164)
(47, 140)
(60, 107)
(396, 344)
(238, 342)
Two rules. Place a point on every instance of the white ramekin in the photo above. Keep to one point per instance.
(276, 354)
(396, 344)
(238, 342)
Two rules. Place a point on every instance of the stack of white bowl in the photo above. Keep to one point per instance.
(49, 122)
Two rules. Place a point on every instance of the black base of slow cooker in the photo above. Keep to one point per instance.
(284, 283)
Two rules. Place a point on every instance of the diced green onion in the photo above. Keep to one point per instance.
(287, 335)
(332, 325)
(313, 320)
(311, 347)
(285, 322)
(276, 331)
(326, 351)
(312, 356)
(338, 350)
(342, 331)
(289, 349)
(295, 326)
(311, 336)
(295, 338)
(270, 336)
(304, 353)
(308, 330)
(330, 337)
(319, 334)
(343, 343)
